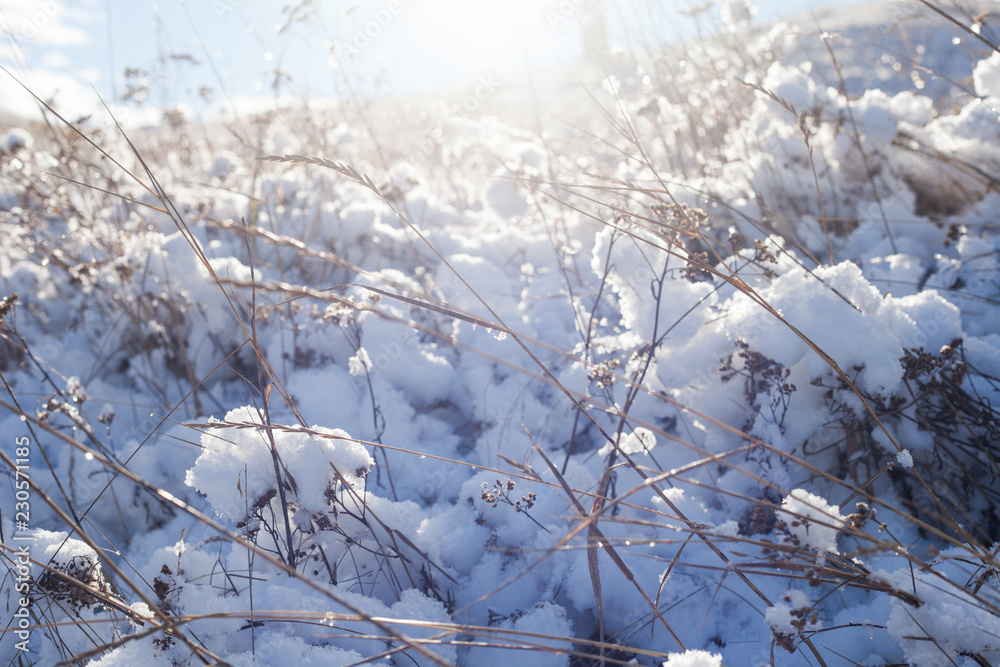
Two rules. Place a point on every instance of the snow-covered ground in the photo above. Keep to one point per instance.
(694, 361)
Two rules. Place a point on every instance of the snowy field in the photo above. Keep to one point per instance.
(694, 361)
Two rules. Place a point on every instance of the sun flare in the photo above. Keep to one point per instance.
(475, 38)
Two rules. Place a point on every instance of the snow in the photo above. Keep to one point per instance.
(321, 438)
(542, 620)
(904, 458)
(986, 77)
(360, 363)
(956, 626)
(814, 523)
(14, 140)
(639, 441)
(694, 658)
(736, 13)
(235, 470)
(791, 616)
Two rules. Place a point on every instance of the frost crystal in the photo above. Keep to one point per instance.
(904, 458)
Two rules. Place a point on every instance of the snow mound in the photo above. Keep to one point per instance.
(237, 465)
(813, 523)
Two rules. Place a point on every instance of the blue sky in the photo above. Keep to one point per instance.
(241, 48)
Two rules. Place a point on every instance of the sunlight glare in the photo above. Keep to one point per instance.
(478, 37)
